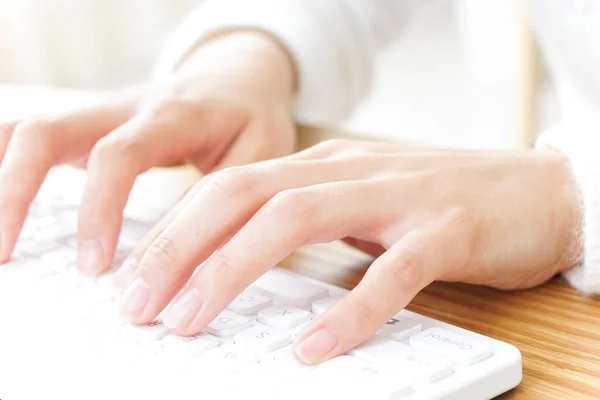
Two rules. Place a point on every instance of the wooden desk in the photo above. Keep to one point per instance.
(556, 328)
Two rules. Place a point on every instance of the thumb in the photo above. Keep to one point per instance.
(388, 286)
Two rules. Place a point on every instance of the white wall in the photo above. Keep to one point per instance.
(452, 79)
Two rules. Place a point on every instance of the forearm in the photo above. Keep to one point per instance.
(268, 69)
(331, 44)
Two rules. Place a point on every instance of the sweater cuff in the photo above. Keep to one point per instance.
(323, 93)
(579, 141)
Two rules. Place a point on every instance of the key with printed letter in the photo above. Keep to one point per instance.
(249, 303)
(188, 346)
(284, 317)
(458, 348)
(152, 331)
(227, 324)
(262, 339)
(228, 358)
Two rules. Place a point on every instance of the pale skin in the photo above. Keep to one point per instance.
(506, 219)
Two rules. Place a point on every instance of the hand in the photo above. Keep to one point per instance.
(503, 219)
(228, 104)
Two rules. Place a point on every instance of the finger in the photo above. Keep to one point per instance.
(388, 286)
(349, 147)
(145, 141)
(291, 219)
(124, 274)
(227, 201)
(35, 146)
(256, 144)
(246, 149)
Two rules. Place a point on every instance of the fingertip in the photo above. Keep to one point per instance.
(135, 300)
(91, 257)
(317, 347)
(183, 316)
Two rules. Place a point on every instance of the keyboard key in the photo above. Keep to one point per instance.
(60, 257)
(119, 257)
(32, 248)
(153, 331)
(320, 306)
(31, 269)
(287, 289)
(298, 330)
(262, 339)
(54, 233)
(250, 304)
(355, 375)
(400, 328)
(227, 324)
(70, 242)
(284, 317)
(458, 348)
(403, 359)
(14, 262)
(33, 226)
(188, 346)
(286, 358)
(229, 358)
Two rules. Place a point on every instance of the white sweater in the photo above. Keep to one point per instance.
(334, 44)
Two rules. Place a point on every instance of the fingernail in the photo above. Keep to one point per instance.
(183, 310)
(125, 272)
(316, 346)
(135, 298)
(90, 257)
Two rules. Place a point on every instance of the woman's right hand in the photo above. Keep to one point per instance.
(229, 103)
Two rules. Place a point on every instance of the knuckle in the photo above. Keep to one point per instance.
(167, 105)
(331, 147)
(108, 148)
(366, 311)
(35, 129)
(461, 218)
(232, 181)
(292, 205)
(162, 251)
(220, 264)
(408, 272)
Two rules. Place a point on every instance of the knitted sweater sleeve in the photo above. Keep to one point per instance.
(333, 44)
(578, 138)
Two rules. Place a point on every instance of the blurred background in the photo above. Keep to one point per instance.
(466, 73)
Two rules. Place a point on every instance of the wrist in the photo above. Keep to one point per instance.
(248, 58)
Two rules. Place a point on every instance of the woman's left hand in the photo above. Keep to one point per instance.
(506, 219)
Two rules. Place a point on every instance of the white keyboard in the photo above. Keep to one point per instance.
(62, 338)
